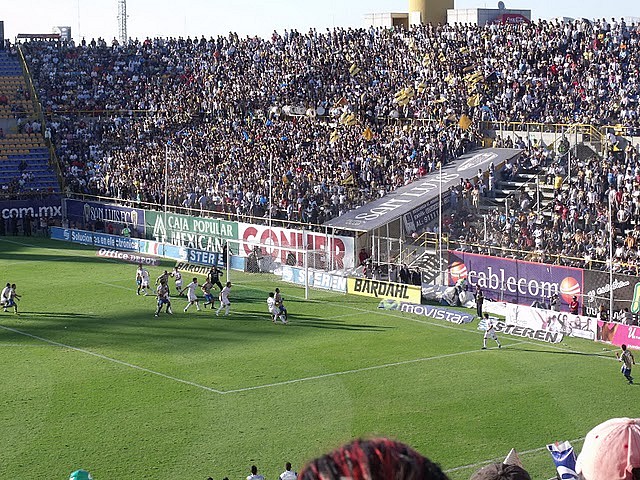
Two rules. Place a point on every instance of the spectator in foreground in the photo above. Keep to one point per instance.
(288, 474)
(254, 474)
(611, 451)
(501, 471)
(375, 459)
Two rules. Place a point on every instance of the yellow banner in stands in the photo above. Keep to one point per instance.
(464, 122)
(381, 289)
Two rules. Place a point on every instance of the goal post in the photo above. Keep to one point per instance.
(256, 257)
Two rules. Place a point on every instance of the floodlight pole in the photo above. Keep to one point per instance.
(611, 238)
(166, 183)
(440, 226)
(270, 188)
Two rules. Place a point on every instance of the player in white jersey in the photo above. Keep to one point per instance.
(490, 332)
(4, 296)
(13, 298)
(192, 297)
(280, 304)
(177, 276)
(271, 306)
(224, 299)
(145, 280)
(627, 361)
(142, 279)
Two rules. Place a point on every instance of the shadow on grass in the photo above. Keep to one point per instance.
(559, 352)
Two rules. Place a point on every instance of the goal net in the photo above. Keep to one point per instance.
(294, 264)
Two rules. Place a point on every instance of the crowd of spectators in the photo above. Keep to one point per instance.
(213, 108)
(199, 123)
(575, 229)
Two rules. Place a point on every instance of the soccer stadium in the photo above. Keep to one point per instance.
(405, 249)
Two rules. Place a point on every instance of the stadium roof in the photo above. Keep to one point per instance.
(392, 206)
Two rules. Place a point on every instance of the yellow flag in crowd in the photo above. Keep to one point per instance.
(354, 70)
(442, 57)
(334, 137)
(421, 87)
(348, 180)
(473, 100)
(426, 60)
(367, 134)
(348, 119)
(464, 122)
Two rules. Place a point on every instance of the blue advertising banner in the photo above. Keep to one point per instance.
(104, 216)
(98, 239)
(48, 207)
(201, 257)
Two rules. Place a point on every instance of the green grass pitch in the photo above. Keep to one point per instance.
(90, 379)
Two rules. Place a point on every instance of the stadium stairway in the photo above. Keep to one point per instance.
(24, 157)
(25, 163)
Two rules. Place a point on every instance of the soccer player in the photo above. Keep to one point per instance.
(139, 278)
(163, 298)
(13, 298)
(490, 332)
(627, 361)
(4, 296)
(208, 296)
(178, 278)
(142, 279)
(192, 297)
(224, 299)
(280, 304)
(214, 277)
(271, 306)
(145, 281)
(164, 278)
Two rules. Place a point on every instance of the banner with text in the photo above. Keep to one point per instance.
(316, 279)
(48, 207)
(619, 334)
(523, 331)
(197, 233)
(540, 319)
(431, 311)
(329, 252)
(516, 281)
(598, 285)
(85, 237)
(382, 289)
(88, 215)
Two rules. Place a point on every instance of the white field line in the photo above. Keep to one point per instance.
(357, 370)
(114, 360)
(499, 459)
(224, 392)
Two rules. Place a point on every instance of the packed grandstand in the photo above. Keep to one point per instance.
(342, 117)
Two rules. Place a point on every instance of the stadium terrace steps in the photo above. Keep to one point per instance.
(13, 86)
(41, 175)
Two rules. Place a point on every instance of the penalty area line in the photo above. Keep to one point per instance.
(358, 370)
(114, 360)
